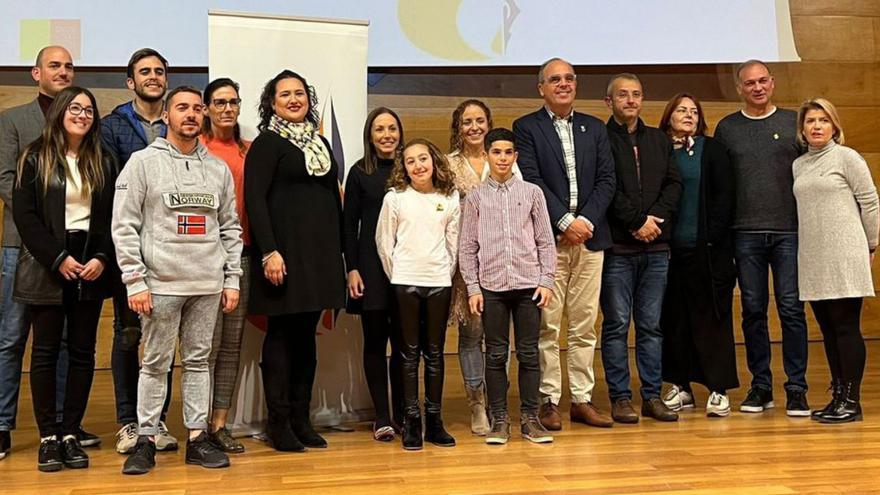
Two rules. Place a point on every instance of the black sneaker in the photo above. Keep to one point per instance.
(757, 400)
(142, 459)
(796, 404)
(73, 455)
(49, 459)
(5, 443)
(87, 439)
(201, 451)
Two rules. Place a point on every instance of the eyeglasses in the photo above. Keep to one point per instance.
(76, 109)
(556, 79)
(220, 103)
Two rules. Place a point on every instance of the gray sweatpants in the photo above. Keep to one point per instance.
(191, 319)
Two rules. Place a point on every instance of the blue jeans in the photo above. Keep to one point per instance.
(633, 286)
(755, 252)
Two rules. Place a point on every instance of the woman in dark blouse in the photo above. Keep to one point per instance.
(295, 211)
(369, 290)
(697, 318)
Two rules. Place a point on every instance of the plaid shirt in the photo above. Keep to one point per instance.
(563, 126)
(506, 241)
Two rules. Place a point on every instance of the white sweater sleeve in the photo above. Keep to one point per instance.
(452, 227)
(128, 211)
(386, 232)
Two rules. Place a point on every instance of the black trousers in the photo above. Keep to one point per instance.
(840, 322)
(49, 321)
(289, 361)
(423, 314)
(379, 327)
(498, 308)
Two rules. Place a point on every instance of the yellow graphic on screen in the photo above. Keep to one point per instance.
(34, 34)
(433, 27)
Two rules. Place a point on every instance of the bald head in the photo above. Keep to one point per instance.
(53, 70)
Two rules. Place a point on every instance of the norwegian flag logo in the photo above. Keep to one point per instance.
(191, 224)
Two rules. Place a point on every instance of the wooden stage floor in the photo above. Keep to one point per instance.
(744, 454)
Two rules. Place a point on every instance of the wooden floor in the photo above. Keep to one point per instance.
(743, 454)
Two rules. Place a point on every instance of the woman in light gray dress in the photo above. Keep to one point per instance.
(838, 225)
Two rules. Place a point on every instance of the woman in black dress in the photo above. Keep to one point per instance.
(369, 290)
(295, 212)
(697, 317)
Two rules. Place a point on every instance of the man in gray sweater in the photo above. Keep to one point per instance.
(762, 140)
(178, 244)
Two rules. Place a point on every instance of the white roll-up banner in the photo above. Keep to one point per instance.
(332, 56)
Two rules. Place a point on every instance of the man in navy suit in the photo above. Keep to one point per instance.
(568, 156)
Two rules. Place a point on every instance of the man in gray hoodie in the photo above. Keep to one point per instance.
(178, 244)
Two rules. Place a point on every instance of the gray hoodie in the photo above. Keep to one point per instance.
(175, 226)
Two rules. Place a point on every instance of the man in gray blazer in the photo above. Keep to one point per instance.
(19, 127)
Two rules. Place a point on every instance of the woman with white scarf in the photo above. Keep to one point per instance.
(295, 211)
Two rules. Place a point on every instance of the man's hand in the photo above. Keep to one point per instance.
(92, 270)
(229, 300)
(476, 304)
(141, 303)
(543, 295)
(577, 233)
(650, 230)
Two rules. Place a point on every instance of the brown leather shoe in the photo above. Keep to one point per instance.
(588, 414)
(549, 416)
(623, 412)
(655, 408)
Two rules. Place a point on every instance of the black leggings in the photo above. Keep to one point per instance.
(423, 315)
(289, 360)
(839, 320)
(380, 326)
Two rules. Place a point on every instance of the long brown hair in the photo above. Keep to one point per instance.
(51, 147)
(370, 162)
(207, 96)
(443, 178)
(666, 127)
(455, 141)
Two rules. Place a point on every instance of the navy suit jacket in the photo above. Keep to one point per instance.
(541, 162)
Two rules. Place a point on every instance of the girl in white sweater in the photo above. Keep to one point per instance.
(417, 241)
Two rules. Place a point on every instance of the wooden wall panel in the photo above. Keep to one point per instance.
(834, 37)
(870, 8)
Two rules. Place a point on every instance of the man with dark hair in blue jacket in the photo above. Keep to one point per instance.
(132, 127)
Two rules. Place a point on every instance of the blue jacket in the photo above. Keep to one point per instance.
(123, 133)
(541, 162)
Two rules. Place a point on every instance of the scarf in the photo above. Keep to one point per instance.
(303, 136)
(686, 142)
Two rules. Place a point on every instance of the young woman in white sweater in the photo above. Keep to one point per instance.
(417, 241)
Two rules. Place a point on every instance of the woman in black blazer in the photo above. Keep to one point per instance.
(295, 211)
(63, 200)
(697, 317)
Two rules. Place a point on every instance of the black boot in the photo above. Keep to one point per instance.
(836, 388)
(435, 433)
(301, 423)
(412, 433)
(281, 436)
(847, 407)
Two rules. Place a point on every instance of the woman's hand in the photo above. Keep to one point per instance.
(355, 285)
(70, 268)
(274, 268)
(93, 269)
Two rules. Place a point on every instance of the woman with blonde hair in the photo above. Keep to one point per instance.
(838, 224)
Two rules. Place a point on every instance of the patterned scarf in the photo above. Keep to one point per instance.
(686, 142)
(303, 136)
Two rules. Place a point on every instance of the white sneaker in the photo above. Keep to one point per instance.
(677, 399)
(718, 405)
(126, 438)
(164, 440)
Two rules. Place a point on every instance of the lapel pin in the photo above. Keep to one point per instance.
(583, 129)
(775, 136)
